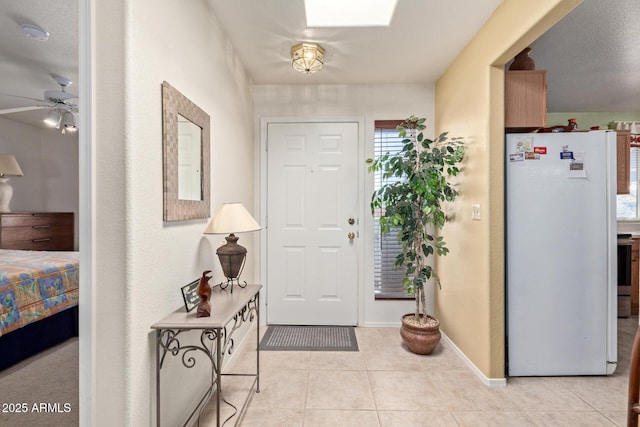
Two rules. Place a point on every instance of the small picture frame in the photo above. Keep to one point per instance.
(190, 295)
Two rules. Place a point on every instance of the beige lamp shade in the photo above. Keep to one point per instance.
(9, 166)
(232, 218)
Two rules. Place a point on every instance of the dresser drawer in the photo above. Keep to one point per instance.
(10, 235)
(64, 243)
(43, 231)
(36, 219)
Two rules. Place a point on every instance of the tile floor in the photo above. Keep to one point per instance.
(385, 385)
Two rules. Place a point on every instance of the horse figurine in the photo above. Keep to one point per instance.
(204, 292)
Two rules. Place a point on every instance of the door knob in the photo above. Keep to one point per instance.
(352, 221)
(351, 235)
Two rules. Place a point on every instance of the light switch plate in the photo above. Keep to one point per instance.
(475, 212)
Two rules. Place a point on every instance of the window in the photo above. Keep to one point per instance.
(387, 279)
(628, 205)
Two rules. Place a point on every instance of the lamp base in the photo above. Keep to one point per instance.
(232, 257)
(230, 283)
(6, 192)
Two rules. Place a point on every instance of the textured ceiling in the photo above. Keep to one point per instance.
(592, 55)
(593, 58)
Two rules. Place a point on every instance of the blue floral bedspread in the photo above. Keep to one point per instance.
(35, 285)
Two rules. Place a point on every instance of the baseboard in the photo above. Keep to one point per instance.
(382, 324)
(491, 382)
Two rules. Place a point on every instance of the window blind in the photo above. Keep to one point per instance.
(387, 279)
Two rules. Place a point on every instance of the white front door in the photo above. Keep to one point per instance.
(312, 228)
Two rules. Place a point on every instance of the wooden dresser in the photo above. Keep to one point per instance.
(36, 231)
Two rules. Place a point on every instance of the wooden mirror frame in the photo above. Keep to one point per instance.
(175, 209)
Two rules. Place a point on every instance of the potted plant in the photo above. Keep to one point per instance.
(410, 201)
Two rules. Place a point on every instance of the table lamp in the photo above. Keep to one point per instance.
(8, 167)
(232, 218)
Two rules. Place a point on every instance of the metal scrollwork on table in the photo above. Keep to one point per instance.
(170, 338)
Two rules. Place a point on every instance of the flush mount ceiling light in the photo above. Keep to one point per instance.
(35, 32)
(307, 57)
(349, 13)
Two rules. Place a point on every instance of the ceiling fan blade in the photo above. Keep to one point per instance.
(25, 97)
(19, 109)
(58, 95)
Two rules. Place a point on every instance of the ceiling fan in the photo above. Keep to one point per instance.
(62, 111)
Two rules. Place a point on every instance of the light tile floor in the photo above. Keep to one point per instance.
(385, 385)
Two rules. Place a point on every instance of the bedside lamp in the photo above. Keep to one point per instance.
(232, 218)
(8, 167)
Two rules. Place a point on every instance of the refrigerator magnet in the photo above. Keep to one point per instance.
(576, 167)
(540, 150)
(566, 155)
(516, 157)
(530, 155)
(523, 144)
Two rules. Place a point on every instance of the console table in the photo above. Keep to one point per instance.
(228, 312)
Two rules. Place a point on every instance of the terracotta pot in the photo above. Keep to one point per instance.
(420, 339)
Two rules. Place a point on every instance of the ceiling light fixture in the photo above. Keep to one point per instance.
(307, 57)
(53, 118)
(69, 122)
(35, 32)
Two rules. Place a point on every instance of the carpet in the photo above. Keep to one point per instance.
(46, 388)
(309, 338)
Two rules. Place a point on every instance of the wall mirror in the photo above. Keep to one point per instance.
(186, 152)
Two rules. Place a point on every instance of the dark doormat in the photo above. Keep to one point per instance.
(309, 338)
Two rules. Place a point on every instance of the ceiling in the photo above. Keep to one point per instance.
(28, 66)
(592, 58)
(404, 52)
(592, 55)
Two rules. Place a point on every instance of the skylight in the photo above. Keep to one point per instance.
(349, 13)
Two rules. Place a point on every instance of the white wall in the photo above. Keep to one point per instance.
(369, 103)
(49, 161)
(140, 261)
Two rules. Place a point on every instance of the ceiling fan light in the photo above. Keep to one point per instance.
(53, 119)
(307, 57)
(35, 32)
(69, 121)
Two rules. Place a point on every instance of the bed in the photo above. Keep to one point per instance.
(38, 302)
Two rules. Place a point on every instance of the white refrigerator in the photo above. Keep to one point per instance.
(561, 253)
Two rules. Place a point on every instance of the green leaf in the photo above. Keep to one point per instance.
(410, 202)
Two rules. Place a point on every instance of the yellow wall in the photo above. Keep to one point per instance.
(470, 103)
